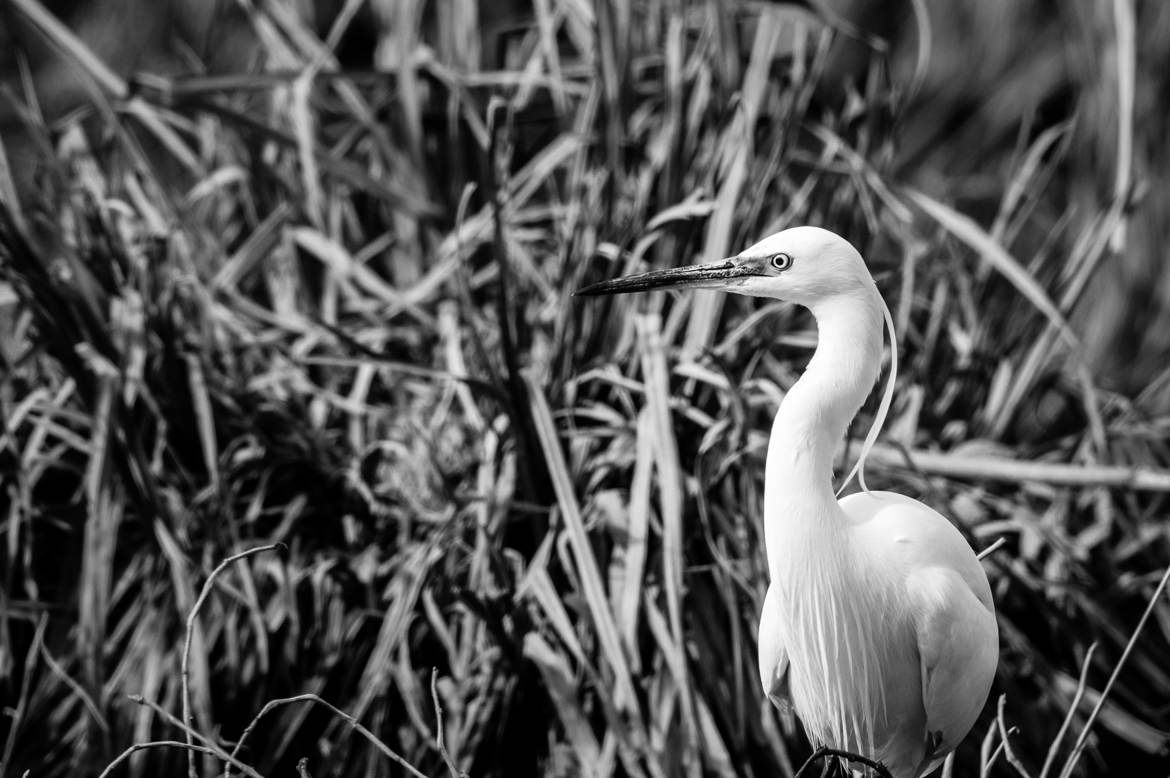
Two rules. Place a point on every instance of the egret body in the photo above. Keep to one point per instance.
(878, 627)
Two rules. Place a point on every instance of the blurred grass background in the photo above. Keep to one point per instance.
(300, 272)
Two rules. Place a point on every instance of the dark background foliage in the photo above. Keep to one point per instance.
(301, 273)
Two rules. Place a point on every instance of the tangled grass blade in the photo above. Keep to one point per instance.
(250, 294)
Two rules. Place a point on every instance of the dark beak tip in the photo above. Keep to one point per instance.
(590, 290)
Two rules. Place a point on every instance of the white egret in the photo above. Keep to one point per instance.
(878, 627)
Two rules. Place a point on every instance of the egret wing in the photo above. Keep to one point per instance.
(958, 647)
(773, 654)
(948, 607)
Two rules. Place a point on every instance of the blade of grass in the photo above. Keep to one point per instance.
(103, 516)
(737, 143)
(670, 491)
(1126, 49)
(16, 713)
(586, 561)
(978, 240)
(629, 596)
(558, 679)
(402, 594)
(204, 419)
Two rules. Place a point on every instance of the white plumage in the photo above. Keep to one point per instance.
(878, 627)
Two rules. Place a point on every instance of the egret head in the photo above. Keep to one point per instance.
(802, 264)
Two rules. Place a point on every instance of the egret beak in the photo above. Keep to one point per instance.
(715, 275)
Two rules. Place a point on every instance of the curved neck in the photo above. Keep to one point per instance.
(815, 413)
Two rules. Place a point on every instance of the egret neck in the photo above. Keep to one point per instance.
(815, 413)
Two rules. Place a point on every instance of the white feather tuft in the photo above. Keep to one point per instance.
(839, 695)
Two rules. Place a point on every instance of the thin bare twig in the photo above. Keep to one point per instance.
(986, 755)
(186, 670)
(1005, 733)
(129, 752)
(1072, 709)
(823, 752)
(990, 760)
(990, 549)
(1075, 756)
(367, 734)
(1020, 471)
(214, 747)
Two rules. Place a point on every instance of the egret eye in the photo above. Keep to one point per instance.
(781, 261)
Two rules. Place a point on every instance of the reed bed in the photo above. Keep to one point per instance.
(312, 464)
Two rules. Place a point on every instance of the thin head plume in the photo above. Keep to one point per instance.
(879, 418)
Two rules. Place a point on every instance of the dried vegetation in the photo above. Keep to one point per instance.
(330, 308)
